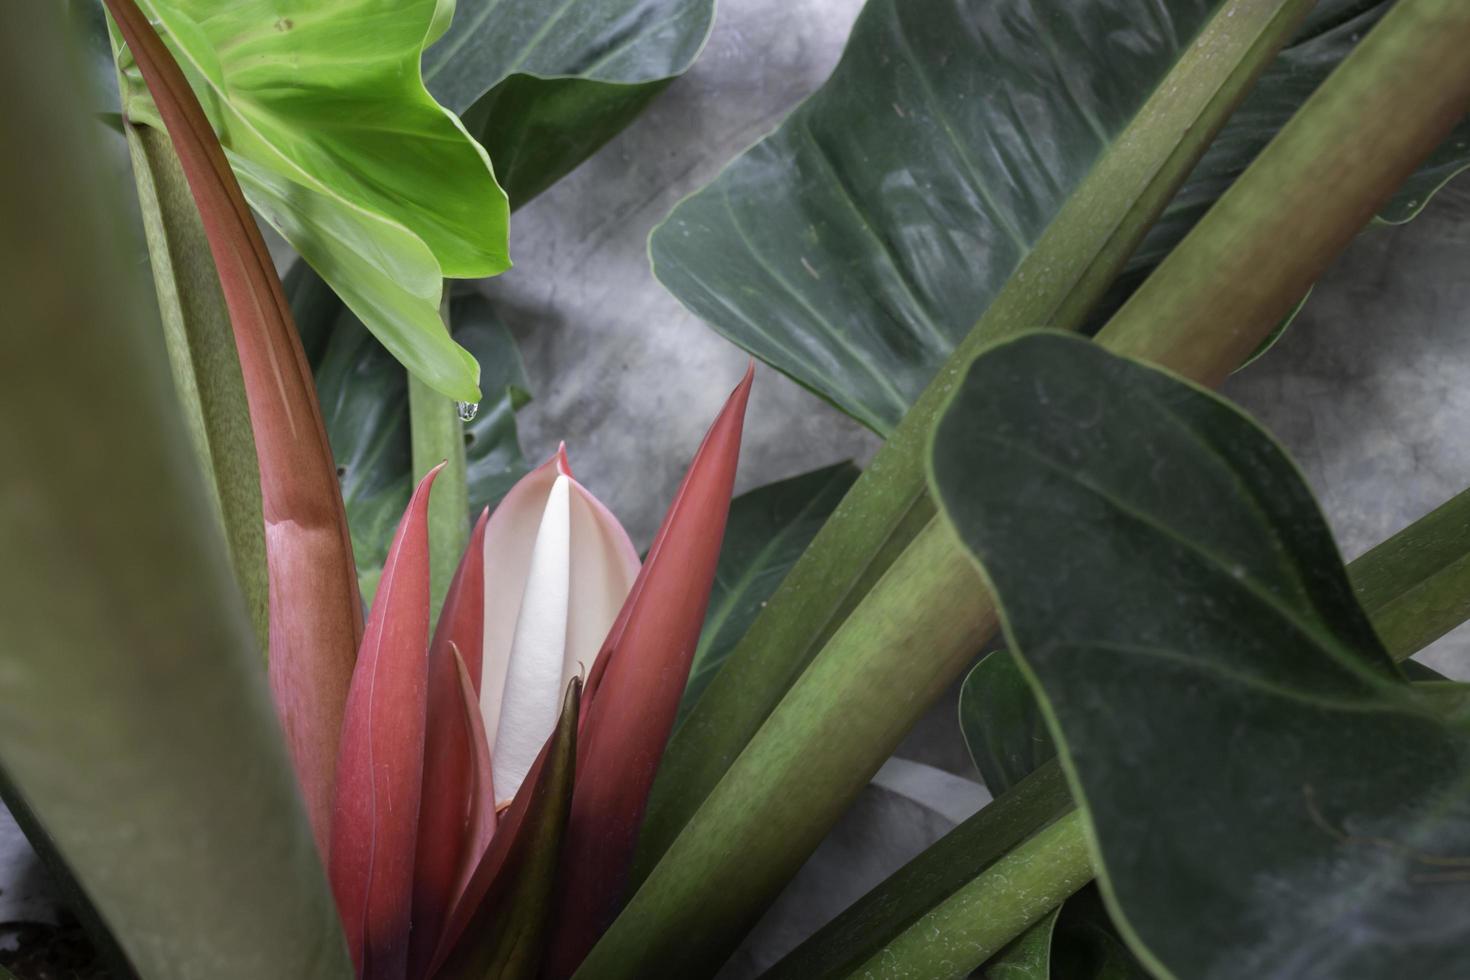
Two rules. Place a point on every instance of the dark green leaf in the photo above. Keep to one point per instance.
(855, 246)
(1086, 945)
(1003, 726)
(768, 529)
(1267, 794)
(543, 85)
(364, 398)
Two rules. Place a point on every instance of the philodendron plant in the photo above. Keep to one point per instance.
(536, 755)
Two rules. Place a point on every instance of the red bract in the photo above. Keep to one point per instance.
(375, 809)
(453, 829)
(634, 690)
(315, 608)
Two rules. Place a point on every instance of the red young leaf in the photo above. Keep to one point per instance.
(380, 771)
(498, 926)
(315, 608)
(634, 690)
(456, 758)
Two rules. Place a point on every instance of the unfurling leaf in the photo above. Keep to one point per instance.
(457, 812)
(499, 926)
(375, 809)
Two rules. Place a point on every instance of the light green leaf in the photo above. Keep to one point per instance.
(767, 530)
(364, 399)
(1176, 597)
(854, 247)
(136, 719)
(338, 145)
(543, 85)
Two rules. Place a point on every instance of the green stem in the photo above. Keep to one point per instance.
(1325, 175)
(1009, 897)
(201, 353)
(1416, 585)
(939, 873)
(1059, 281)
(438, 436)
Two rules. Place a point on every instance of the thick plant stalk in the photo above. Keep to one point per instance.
(201, 351)
(1416, 585)
(1058, 283)
(437, 436)
(1005, 900)
(315, 609)
(1251, 258)
(767, 813)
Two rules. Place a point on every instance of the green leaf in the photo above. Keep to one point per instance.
(854, 247)
(1028, 957)
(767, 531)
(137, 722)
(888, 508)
(1176, 596)
(364, 399)
(1086, 945)
(1001, 722)
(339, 146)
(543, 85)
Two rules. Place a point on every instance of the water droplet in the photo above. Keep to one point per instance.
(468, 411)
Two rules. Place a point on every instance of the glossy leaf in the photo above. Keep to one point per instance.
(888, 507)
(499, 928)
(855, 246)
(768, 529)
(127, 648)
(544, 85)
(315, 612)
(454, 821)
(375, 810)
(634, 688)
(341, 148)
(1154, 487)
(1002, 724)
(364, 395)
